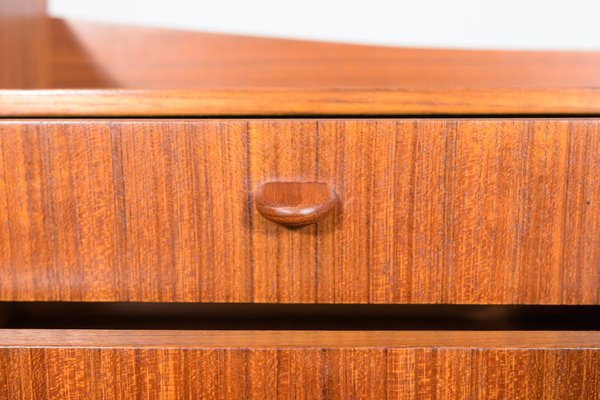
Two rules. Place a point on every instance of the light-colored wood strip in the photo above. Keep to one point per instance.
(207, 339)
(280, 102)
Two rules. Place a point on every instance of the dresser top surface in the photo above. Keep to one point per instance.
(91, 69)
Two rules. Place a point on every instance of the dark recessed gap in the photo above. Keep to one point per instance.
(63, 315)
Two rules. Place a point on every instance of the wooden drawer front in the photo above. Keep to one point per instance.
(302, 365)
(452, 211)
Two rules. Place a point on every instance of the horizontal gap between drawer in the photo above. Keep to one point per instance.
(183, 316)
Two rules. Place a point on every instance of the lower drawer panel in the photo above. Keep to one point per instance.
(56, 364)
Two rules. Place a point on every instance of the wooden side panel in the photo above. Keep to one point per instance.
(432, 211)
(24, 44)
(305, 373)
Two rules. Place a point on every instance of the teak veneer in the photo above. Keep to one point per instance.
(472, 211)
(91, 69)
(133, 164)
(301, 365)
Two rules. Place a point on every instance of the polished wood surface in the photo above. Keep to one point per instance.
(431, 211)
(291, 339)
(302, 365)
(298, 102)
(199, 74)
(41, 52)
(473, 211)
(186, 60)
(295, 204)
(183, 60)
(24, 44)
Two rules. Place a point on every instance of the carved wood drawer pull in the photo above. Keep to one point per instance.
(295, 204)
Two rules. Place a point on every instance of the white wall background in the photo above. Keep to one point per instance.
(507, 24)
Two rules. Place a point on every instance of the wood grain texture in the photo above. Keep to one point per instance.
(298, 102)
(24, 44)
(262, 365)
(290, 339)
(199, 74)
(184, 60)
(294, 204)
(432, 211)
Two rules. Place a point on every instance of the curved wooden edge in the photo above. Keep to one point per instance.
(297, 102)
(295, 339)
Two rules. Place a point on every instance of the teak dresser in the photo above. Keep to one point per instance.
(188, 215)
